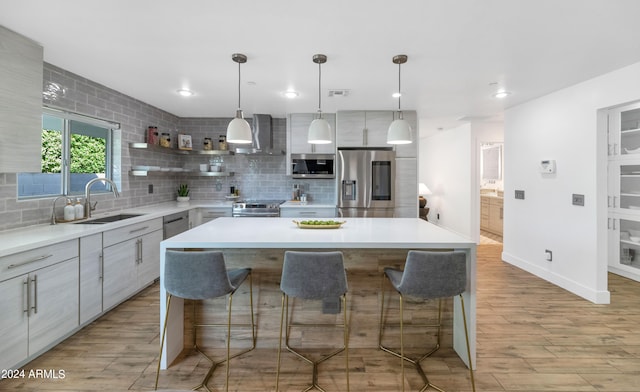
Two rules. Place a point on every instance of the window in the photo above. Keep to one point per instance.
(75, 149)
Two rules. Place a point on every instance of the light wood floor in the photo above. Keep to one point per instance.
(532, 336)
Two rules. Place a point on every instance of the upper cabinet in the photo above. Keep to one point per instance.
(20, 103)
(369, 129)
(297, 131)
(624, 132)
(298, 128)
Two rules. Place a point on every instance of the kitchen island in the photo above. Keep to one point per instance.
(357, 234)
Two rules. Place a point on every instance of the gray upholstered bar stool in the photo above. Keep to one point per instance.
(199, 276)
(427, 275)
(313, 276)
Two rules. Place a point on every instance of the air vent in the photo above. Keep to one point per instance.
(338, 93)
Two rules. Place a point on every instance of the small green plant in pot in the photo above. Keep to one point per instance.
(183, 192)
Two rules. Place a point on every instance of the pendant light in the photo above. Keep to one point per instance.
(399, 130)
(239, 130)
(319, 130)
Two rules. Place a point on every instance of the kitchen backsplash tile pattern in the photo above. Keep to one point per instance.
(257, 177)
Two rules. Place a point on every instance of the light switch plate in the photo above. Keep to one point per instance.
(577, 200)
(520, 195)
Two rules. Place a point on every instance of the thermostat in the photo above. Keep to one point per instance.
(548, 166)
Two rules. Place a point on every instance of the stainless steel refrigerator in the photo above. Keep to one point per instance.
(366, 182)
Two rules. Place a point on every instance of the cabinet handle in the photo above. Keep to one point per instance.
(141, 255)
(39, 258)
(100, 266)
(35, 294)
(25, 286)
(365, 136)
(608, 223)
(614, 201)
(137, 230)
(609, 201)
(307, 213)
(614, 223)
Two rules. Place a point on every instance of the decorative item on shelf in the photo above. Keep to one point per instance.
(207, 144)
(238, 130)
(165, 140)
(152, 135)
(184, 142)
(422, 201)
(399, 130)
(319, 130)
(222, 142)
(183, 193)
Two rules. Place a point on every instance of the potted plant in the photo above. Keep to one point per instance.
(183, 192)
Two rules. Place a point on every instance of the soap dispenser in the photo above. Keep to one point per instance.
(69, 211)
(79, 209)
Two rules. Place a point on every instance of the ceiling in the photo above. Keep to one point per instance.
(459, 52)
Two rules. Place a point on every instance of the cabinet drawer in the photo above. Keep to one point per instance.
(127, 232)
(24, 262)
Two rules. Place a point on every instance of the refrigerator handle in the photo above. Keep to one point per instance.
(348, 190)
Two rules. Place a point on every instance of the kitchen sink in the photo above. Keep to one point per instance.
(107, 219)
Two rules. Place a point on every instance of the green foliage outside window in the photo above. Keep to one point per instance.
(88, 154)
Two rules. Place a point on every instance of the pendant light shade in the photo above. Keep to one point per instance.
(238, 130)
(399, 130)
(319, 130)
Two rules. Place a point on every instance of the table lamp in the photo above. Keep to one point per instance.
(422, 191)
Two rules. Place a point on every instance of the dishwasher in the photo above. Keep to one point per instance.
(175, 224)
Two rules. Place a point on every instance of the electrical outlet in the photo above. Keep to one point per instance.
(520, 195)
(548, 255)
(150, 188)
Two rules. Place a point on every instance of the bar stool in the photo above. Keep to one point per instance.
(199, 276)
(313, 276)
(427, 275)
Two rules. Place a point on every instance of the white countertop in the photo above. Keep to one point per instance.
(31, 237)
(398, 233)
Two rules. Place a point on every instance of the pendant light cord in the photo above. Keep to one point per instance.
(319, 90)
(399, 89)
(238, 85)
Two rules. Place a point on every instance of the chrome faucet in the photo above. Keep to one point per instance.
(87, 194)
(53, 210)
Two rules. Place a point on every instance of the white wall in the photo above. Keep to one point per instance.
(446, 165)
(563, 126)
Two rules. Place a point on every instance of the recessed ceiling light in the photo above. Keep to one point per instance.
(290, 94)
(185, 93)
(501, 94)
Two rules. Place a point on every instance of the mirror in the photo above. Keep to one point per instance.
(491, 161)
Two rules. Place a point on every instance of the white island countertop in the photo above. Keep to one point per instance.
(355, 233)
(388, 233)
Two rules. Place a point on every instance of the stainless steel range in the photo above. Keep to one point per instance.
(256, 208)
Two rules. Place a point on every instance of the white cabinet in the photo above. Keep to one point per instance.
(21, 70)
(623, 195)
(369, 129)
(297, 131)
(363, 128)
(39, 305)
(206, 214)
(406, 188)
(55, 296)
(131, 260)
(308, 212)
(90, 277)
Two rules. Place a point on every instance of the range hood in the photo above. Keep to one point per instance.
(262, 137)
